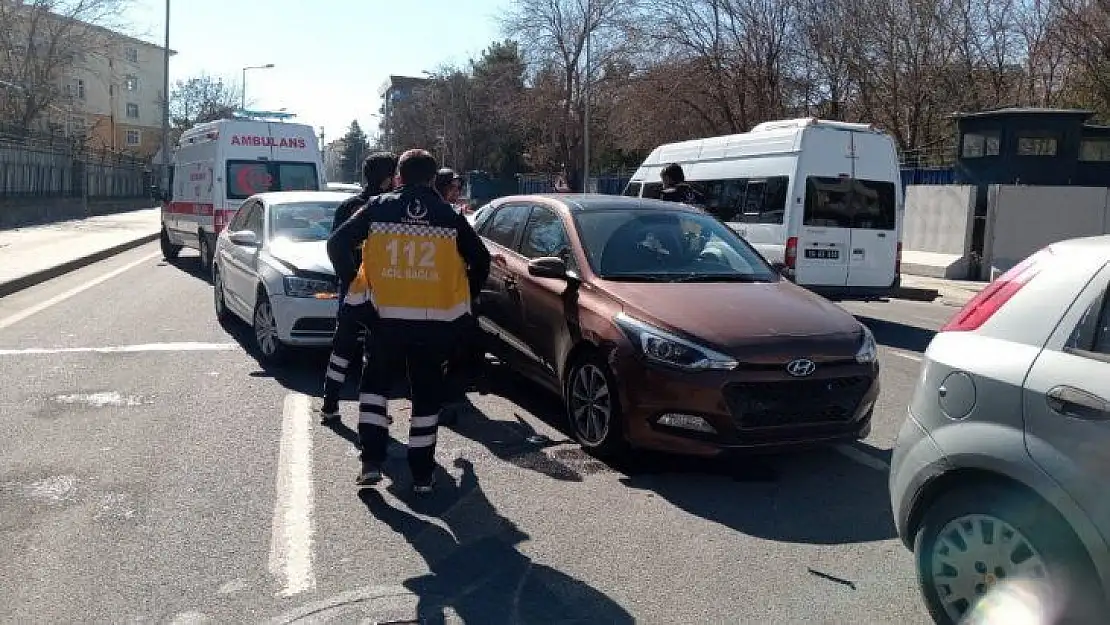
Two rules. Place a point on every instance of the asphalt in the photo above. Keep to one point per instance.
(153, 471)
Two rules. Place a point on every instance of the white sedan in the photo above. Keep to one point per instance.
(271, 269)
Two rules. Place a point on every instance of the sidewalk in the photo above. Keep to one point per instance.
(36, 254)
(951, 292)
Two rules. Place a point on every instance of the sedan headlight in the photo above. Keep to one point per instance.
(667, 349)
(296, 286)
(868, 350)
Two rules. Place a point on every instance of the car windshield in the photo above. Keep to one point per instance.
(302, 221)
(667, 246)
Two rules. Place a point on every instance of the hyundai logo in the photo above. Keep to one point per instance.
(800, 368)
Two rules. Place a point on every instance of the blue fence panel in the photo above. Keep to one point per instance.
(928, 175)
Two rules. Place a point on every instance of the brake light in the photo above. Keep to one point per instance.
(991, 299)
(791, 255)
(898, 260)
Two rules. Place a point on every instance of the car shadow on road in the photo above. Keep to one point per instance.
(816, 497)
(898, 335)
(189, 265)
(475, 568)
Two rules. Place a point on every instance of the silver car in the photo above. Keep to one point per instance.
(271, 269)
(998, 480)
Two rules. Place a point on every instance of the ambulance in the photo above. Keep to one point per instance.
(219, 164)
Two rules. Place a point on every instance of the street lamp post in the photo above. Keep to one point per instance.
(586, 104)
(243, 104)
(164, 186)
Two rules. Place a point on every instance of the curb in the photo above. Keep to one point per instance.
(38, 277)
(915, 294)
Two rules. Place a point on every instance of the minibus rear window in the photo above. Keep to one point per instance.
(849, 203)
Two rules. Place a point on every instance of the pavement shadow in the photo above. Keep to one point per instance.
(898, 335)
(189, 264)
(475, 569)
(816, 497)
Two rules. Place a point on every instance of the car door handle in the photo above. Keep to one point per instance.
(1074, 402)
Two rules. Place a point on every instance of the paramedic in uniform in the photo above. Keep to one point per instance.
(422, 264)
(377, 178)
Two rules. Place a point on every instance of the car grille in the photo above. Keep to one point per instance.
(314, 326)
(795, 402)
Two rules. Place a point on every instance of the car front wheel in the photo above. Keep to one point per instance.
(266, 331)
(219, 297)
(1005, 544)
(593, 407)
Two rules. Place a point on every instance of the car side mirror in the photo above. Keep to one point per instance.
(246, 238)
(548, 267)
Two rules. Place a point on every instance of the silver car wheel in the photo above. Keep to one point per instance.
(974, 552)
(590, 404)
(265, 329)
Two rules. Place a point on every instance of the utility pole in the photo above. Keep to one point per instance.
(164, 186)
(586, 104)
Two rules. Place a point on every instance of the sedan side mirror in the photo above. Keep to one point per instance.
(548, 267)
(245, 238)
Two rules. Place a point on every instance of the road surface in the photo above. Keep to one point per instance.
(152, 471)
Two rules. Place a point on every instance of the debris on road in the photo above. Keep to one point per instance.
(833, 578)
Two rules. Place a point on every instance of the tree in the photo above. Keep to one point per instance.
(41, 42)
(355, 149)
(202, 99)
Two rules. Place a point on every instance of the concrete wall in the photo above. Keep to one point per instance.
(16, 213)
(1022, 220)
(938, 219)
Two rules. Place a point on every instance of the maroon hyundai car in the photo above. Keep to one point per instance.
(661, 328)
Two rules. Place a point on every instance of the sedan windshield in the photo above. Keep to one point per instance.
(302, 221)
(666, 246)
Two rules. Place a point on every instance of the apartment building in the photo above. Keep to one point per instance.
(395, 92)
(115, 95)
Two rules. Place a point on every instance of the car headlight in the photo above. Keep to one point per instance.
(868, 350)
(295, 286)
(667, 349)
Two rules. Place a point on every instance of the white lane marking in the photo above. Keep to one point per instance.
(41, 306)
(291, 537)
(124, 349)
(863, 458)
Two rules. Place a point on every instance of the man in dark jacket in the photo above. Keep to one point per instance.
(676, 189)
(422, 265)
(377, 178)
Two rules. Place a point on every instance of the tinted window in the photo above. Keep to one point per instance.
(481, 216)
(630, 244)
(240, 217)
(246, 178)
(849, 203)
(755, 200)
(253, 220)
(506, 223)
(1092, 334)
(653, 190)
(545, 235)
(302, 221)
(632, 189)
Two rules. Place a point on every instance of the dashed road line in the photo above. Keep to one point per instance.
(292, 531)
(41, 306)
(123, 349)
(863, 458)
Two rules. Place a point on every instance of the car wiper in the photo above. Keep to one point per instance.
(635, 277)
(720, 277)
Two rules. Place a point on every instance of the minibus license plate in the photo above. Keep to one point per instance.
(823, 254)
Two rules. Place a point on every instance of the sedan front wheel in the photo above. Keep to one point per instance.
(593, 408)
(266, 338)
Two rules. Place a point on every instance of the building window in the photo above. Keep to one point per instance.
(1036, 146)
(131, 82)
(76, 89)
(134, 138)
(980, 144)
(133, 110)
(1095, 150)
(131, 54)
